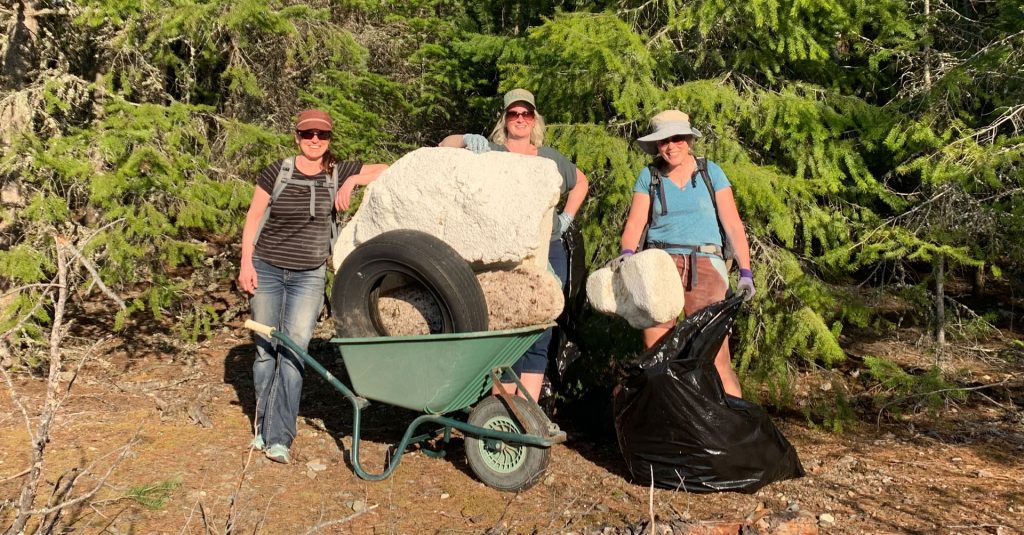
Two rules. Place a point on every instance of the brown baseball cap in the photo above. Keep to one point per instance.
(313, 120)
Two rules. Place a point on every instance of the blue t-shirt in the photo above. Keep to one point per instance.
(691, 218)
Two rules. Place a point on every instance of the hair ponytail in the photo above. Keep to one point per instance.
(327, 162)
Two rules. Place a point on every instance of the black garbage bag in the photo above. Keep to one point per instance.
(676, 424)
(564, 348)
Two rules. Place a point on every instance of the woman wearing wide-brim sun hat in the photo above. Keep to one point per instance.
(520, 129)
(684, 224)
(283, 266)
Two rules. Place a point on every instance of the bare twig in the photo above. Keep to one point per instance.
(229, 525)
(650, 502)
(121, 452)
(41, 437)
(96, 276)
(340, 520)
(15, 476)
(206, 520)
(17, 402)
(27, 286)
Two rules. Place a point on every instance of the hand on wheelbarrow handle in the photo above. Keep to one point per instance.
(265, 330)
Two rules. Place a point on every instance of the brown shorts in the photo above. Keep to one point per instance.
(710, 288)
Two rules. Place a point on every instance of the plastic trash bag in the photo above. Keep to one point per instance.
(676, 424)
(564, 350)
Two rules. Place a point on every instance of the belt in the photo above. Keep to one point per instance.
(708, 248)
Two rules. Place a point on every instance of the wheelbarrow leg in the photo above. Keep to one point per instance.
(551, 429)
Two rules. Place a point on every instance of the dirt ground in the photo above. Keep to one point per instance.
(186, 412)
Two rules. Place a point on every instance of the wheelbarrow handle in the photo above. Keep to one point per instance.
(265, 330)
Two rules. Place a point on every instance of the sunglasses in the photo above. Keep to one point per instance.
(678, 138)
(513, 115)
(323, 135)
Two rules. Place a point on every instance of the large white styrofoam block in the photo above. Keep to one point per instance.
(495, 208)
(645, 289)
(601, 291)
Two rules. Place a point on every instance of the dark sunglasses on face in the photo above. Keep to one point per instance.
(511, 115)
(323, 135)
(679, 138)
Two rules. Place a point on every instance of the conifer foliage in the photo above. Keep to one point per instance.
(865, 141)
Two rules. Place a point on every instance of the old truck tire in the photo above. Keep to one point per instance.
(408, 257)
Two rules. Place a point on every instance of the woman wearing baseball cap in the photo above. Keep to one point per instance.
(520, 129)
(285, 245)
(684, 223)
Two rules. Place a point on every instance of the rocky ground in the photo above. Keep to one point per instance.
(181, 417)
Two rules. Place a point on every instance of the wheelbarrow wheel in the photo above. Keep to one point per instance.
(413, 257)
(501, 465)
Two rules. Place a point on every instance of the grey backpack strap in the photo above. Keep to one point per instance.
(283, 176)
(332, 183)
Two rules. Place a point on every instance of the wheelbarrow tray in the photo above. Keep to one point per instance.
(434, 374)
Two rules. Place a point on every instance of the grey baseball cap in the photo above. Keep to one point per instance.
(519, 95)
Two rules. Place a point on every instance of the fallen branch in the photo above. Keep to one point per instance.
(122, 454)
(340, 520)
(650, 502)
(15, 476)
(878, 420)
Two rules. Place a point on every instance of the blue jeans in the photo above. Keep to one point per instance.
(289, 301)
(535, 360)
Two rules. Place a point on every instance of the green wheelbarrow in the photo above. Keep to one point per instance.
(507, 438)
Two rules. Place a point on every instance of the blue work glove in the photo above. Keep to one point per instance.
(616, 263)
(564, 220)
(746, 284)
(476, 143)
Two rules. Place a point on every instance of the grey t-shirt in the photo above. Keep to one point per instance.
(565, 168)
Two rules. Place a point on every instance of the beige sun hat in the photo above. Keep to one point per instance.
(665, 125)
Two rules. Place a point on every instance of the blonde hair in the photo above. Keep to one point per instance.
(499, 136)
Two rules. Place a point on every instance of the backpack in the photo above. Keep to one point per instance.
(657, 187)
(284, 177)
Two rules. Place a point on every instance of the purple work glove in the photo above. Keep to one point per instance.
(616, 263)
(746, 284)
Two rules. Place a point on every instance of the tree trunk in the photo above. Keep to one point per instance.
(978, 287)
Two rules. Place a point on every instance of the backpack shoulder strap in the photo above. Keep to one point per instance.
(702, 168)
(284, 174)
(332, 183)
(657, 188)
